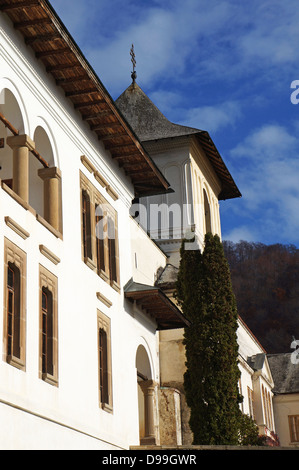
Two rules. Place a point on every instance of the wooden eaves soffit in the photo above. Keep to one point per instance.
(44, 32)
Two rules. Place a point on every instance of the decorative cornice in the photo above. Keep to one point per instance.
(48, 254)
(16, 228)
(104, 299)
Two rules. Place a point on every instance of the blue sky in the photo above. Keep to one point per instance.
(222, 66)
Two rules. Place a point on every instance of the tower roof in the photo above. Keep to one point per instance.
(149, 124)
(145, 118)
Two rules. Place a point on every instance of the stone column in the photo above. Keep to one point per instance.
(52, 199)
(148, 388)
(21, 145)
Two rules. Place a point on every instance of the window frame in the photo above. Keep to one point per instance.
(207, 212)
(104, 369)
(250, 402)
(101, 256)
(13, 310)
(106, 265)
(86, 224)
(294, 434)
(48, 284)
(16, 260)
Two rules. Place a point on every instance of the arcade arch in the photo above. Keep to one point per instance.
(10, 111)
(146, 397)
(26, 165)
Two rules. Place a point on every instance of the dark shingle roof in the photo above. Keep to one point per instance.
(146, 119)
(168, 277)
(257, 362)
(285, 374)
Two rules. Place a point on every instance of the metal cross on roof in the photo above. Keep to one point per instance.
(133, 60)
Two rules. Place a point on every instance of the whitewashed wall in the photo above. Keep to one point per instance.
(34, 414)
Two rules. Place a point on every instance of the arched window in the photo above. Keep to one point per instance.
(86, 226)
(48, 361)
(47, 332)
(14, 336)
(270, 411)
(104, 357)
(112, 250)
(100, 238)
(100, 249)
(207, 212)
(103, 366)
(13, 311)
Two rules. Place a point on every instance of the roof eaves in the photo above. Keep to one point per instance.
(41, 11)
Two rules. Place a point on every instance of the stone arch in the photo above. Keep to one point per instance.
(143, 363)
(13, 107)
(146, 396)
(12, 110)
(45, 183)
(44, 145)
(36, 185)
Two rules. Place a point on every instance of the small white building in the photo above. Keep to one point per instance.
(285, 371)
(256, 383)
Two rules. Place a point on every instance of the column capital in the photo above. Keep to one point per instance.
(17, 141)
(49, 173)
(147, 385)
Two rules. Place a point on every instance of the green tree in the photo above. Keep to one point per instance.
(249, 432)
(204, 291)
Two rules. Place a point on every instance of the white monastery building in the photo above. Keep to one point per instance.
(91, 350)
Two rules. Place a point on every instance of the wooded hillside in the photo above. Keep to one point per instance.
(265, 282)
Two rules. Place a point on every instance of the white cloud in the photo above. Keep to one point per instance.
(268, 142)
(166, 35)
(274, 36)
(231, 34)
(266, 166)
(213, 118)
(240, 233)
(183, 42)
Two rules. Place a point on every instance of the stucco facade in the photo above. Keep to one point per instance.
(49, 157)
(92, 353)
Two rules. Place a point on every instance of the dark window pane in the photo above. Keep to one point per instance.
(103, 359)
(10, 278)
(10, 302)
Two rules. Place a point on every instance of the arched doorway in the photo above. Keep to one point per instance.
(146, 397)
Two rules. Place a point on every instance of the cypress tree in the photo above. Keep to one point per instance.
(205, 294)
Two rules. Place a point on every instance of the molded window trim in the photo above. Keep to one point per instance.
(48, 329)
(294, 427)
(104, 362)
(99, 231)
(14, 321)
